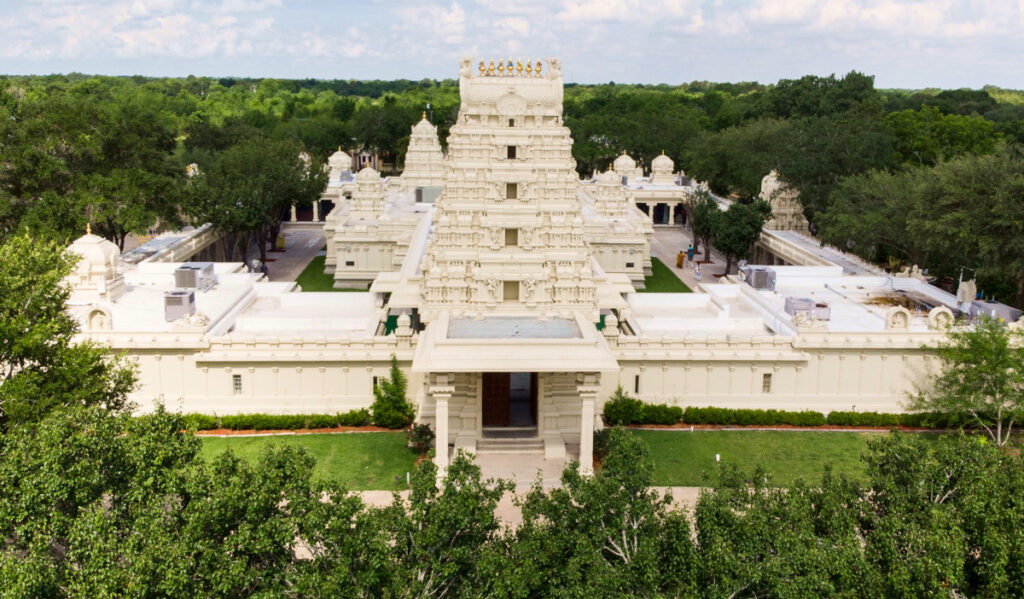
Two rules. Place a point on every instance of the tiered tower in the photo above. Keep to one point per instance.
(424, 160)
(508, 230)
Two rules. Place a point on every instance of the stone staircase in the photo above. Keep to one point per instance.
(510, 439)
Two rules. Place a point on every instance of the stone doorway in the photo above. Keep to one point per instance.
(509, 399)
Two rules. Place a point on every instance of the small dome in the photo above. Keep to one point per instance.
(609, 178)
(662, 164)
(424, 127)
(624, 163)
(339, 161)
(97, 254)
(367, 175)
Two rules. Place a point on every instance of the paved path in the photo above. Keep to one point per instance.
(666, 244)
(302, 243)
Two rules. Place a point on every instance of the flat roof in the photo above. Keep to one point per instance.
(502, 327)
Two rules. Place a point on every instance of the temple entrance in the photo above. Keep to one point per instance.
(509, 399)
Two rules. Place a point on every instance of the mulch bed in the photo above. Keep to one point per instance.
(824, 427)
(226, 432)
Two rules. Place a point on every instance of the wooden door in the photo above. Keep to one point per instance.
(495, 398)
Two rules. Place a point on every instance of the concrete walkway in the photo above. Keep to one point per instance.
(666, 244)
(303, 242)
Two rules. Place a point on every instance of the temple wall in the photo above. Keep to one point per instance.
(558, 405)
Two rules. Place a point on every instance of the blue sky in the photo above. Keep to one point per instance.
(912, 44)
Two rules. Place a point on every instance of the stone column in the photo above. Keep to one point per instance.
(316, 211)
(588, 389)
(441, 391)
(294, 216)
(671, 214)
(653, 206)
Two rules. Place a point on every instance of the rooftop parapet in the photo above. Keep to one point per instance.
(508, 90)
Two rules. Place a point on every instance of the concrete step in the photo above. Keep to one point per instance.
(510, 432)
(519, 446)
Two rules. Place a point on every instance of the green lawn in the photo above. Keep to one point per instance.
(313, 277)
(359, 460)
(663, 280)
(681, 457)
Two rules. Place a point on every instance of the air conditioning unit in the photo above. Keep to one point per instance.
(180, 303)
(194, 275)
(819, 310)
(758, 277)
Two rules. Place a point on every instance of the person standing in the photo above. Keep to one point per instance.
(697, 272)
(689, 255)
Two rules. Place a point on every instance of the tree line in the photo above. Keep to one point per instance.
(113, 150)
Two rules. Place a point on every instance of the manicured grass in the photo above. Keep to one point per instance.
(359, 460)
(663, 280)
(681, 457)
(313, 277)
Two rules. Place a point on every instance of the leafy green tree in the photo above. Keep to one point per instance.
(247, 189)
(41, 367)
(441, 531)
(704, 216)
(982, 376)
(926, 136)
(736, 229)
(390, 407)
(607, 535)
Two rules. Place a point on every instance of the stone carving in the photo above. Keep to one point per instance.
(99, 319)
(912, 272)
(492, 287)
(466, 66)
(897, 318)
(787, 212)
(554, 68)
(529, 284)
(940, 318)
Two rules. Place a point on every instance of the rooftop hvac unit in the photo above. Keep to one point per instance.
(818, 310)
(194, 275)
(180, 303)
(758, 277)
(993, 309)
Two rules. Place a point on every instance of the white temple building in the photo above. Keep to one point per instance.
(507, 289)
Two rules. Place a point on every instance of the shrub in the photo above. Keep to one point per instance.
(602, 442)
(727, 416)
(262, 422)
(621, 409)
(661, 414)
(390, 407)
(421, 438)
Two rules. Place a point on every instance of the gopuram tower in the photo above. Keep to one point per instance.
(508, 232)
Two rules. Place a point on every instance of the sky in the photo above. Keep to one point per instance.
(904, 44)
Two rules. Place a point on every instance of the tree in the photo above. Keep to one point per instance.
(926, 136)
(41, 367)
(736, 229)
(982, 376)
(390, 407)
(604, 535)
(704, 216)
(245, 191)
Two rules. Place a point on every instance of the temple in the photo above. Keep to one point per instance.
(508, 289)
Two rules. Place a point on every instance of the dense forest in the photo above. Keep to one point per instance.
(929, 177)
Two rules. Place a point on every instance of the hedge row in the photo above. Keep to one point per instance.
(262, 422)
(622, 409)
(728, 416)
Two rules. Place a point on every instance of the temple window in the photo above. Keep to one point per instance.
(511, 152)
(510, 291)
(511, 237)
(511, 191)
(236, 384)
(636, 384)
(766, 382)
(511, 122)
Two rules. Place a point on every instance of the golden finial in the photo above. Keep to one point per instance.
(88, 229)
(623, 152)
(510, 67)
(501, 66)
(483, 69)
(519, 67)
(529, 68)
(536, 70)
(339, 148)
(424, 115)
(490, 68)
